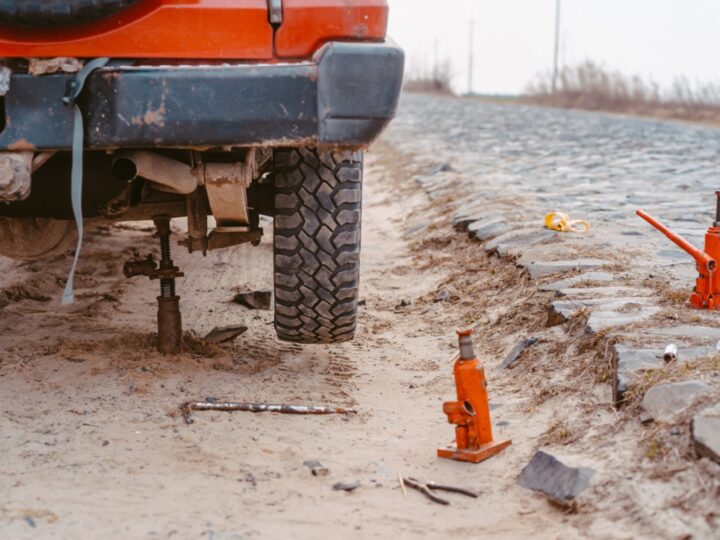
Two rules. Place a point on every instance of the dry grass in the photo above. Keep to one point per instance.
(558, 433)
(593, 87)
(433, 80)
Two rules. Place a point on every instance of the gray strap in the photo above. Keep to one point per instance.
(74, 90)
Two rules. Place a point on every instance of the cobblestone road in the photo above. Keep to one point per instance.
(503, 167)
(595, 166)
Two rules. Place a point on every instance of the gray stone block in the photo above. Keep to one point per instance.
(604, 292)
(601, 320)
(261, 300)
(489, 228)
(706, 333)
(629, 365)
(705, 433)
(610, 310)
(540, 269)
(517, 350)
(590, 277)
(560, 483)
(225, 333)
(666, 402)
(465, 216)
(503, 244)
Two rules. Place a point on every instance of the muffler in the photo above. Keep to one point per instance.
(164, 173)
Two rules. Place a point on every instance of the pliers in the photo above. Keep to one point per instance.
(428, 488)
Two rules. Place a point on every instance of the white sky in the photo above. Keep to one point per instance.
(514, 39)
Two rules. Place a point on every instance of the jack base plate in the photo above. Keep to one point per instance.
(474, 456)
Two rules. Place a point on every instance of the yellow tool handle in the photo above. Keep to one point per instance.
(558, 221)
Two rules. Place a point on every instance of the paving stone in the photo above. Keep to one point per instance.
(601, 320)
(465, 216)
(515, 353)
(346, 486)
(605, 292)
(316, 468)
(517, 239)
(560, 483)
(665, 402)
(487, 229)
(589, 277)
(512, 234)
(440, 167)
(225, 333)
(706, 333)
(562, 310)
(705, 433)
(540, 269)
(630, 364)
(261, 300)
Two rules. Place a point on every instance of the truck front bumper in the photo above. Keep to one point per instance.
(345, 97)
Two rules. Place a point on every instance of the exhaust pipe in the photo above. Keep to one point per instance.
(165, 174)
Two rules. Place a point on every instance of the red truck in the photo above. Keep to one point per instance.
(156, 109)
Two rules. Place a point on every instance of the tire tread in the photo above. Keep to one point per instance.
(317, 244)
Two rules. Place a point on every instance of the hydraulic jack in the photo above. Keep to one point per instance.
(707, 285)
(471, 412)
(168, 316)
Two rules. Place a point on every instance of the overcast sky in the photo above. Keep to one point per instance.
(514, 38)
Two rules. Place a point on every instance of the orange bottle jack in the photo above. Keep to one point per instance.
(471, 412)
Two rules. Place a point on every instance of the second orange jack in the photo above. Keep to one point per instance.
(471, 412)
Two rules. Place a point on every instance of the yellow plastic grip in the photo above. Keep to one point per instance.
(558, 221)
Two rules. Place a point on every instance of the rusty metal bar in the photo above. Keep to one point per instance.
(229, 406)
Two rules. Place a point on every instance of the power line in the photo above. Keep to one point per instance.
(557, 44)
(471, 55)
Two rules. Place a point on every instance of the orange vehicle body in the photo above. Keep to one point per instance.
(211, 29)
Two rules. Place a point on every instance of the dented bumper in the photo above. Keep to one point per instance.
(344, 97)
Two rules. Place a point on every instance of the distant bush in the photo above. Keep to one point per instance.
(435, 80)
(591, 86)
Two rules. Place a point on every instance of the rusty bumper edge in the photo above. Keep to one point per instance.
(344, 97)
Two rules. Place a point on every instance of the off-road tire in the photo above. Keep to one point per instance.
(317, 244)
(44, 13)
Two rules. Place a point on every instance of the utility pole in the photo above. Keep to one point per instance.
(471, 56)
(557, 45)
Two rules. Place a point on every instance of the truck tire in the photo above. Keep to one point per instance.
(44, 13)
(317, 244)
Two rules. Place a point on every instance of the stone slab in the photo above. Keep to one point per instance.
(604, 292)
(589, 277)
(562, 310)
(261, 299)
(557, 481)
(516, 352)
(489, 228)
(463, 218)
(540, 269)
(518, 243)
(221, 334)
(666, 402)
(602, 320)
(705, 433)
(708, 333)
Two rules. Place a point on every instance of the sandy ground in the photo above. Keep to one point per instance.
(92, 445)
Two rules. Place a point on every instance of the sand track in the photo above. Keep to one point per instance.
(92, 444)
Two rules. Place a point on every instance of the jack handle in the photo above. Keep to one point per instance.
(703, 259)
